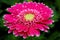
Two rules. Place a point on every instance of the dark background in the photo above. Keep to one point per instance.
(54, 31)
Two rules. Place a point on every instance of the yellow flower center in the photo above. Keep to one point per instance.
(29, 17)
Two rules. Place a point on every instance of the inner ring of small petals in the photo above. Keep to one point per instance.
(29, 15)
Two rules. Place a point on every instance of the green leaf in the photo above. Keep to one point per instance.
(12, 37)
(56, 16)
(11, 2)
(51, 25)
(54, 35)
(29, 38)
(28, 0)
(41, 37)
(1, 22)
(1, 11)
(58, 4)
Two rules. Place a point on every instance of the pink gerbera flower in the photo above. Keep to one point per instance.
(28, 19)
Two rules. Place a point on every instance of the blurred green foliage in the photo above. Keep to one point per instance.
(11, 2)
(53, 34)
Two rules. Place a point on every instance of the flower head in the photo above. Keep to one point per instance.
(28, 19)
